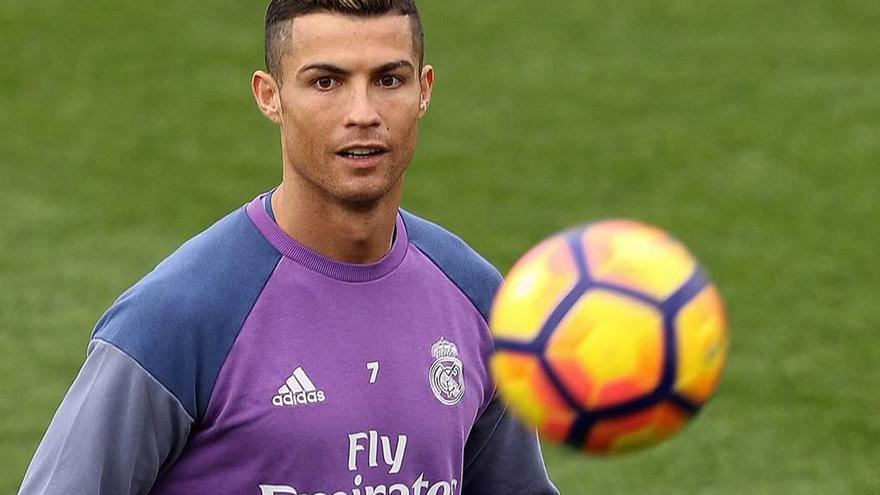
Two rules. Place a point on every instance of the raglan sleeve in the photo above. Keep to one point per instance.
(502, 456)
(115, 431)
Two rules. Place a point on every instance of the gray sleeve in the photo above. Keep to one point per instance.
(501, 456)
(115, 432)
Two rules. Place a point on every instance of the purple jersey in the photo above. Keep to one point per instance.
(248, 364)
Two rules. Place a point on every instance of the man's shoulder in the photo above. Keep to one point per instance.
(464, 266)
(200, 277)
(180, 320)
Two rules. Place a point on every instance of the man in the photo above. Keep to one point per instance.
(319, 340)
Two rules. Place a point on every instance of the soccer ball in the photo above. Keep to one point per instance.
(608, 337)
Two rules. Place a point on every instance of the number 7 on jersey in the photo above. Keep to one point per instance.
(373, 368)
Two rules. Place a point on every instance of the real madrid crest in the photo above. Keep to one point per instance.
(446, 376)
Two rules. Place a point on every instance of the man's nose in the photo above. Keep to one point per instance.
(363, 111)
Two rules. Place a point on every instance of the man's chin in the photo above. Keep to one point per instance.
(363, 198)
(367, 193)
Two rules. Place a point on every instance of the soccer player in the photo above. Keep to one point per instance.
(318, 340)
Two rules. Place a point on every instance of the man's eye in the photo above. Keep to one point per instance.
(390, 82)
(324, 83)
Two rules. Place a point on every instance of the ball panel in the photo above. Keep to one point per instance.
(524, 386)
(637, 430)
(669, 418)
(701, 336)
(569, 371)
(610, 338)
(604, 434)
(556, 428)
(636, 256)
(620, 391)
(532, 289)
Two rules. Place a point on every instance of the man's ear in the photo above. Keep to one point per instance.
(267, 93)
(427, 84)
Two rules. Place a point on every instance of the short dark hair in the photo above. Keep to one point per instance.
(281, 12)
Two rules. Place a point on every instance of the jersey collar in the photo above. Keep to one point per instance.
(347, 272)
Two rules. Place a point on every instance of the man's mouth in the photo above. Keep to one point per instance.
(361, 152)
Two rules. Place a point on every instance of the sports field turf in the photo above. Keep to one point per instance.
(750, 129)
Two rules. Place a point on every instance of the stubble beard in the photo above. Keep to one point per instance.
(358, 194)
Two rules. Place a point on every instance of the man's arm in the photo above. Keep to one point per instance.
(115, 432)
(502, 457)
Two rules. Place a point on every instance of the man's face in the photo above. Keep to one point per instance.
(351, 98)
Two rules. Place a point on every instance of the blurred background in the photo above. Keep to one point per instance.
(747, 128)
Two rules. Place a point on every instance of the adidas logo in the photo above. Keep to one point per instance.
(297, 390)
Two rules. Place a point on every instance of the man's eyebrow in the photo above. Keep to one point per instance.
(325, 68)
(395, 65)
(333, 69)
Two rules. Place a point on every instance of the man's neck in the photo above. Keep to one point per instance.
(339, 232)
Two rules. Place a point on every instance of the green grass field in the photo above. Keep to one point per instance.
(747, 128)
